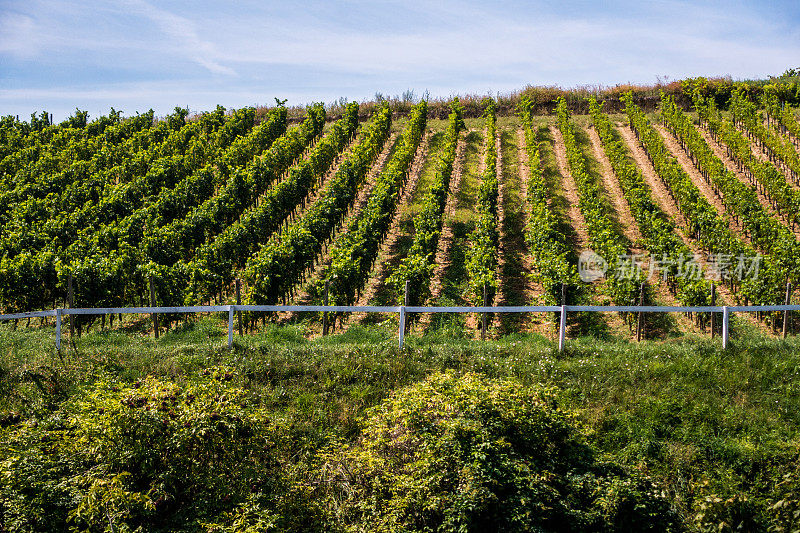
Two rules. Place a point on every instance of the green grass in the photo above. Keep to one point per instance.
(697, 419)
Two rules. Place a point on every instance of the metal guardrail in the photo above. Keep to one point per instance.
(403, 311)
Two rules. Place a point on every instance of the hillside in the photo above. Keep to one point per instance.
(686, 195)
(696, 198)
(181, 434)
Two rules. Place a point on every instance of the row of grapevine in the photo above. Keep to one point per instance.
(60, 145)
(283, 261)
(484, 239)
(179, 239)
(234, 196)
(704, 223)
(208, 184)
(34, 274)
(766, 233)
(101, 196)
(781, 151)
(555, 263)
(762, 175)
(215, 262)
(603, 238)
(33, 253)
(354, 253)
(660, 238)
(38, 171)
(417, 267)
(783, 115)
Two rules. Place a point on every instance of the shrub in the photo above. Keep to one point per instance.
(468, 453)
(154, 454)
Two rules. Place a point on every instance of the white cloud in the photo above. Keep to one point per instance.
(184, 32)
(18, 35)
(143, 53)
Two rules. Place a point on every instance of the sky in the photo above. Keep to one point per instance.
(134, 55)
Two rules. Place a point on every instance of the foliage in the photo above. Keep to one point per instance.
(556, 264)
(215, 263)
(283, 261)
(700, 421)
(658, 230)
(603, 237)
(704, 223)
(484, 239)
(150, 454)
(416, 268)
(355, 251)
(467, 453)
(765, 232)
(763, 176)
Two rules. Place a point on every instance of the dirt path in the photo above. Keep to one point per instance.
(473, 320)
(304, 296)
(632, 230)
(388, 252)
(706, 189)
(665, 201)
(731, 166)
(442, 259)
(570, 192)
(614, 192)
(527, 291)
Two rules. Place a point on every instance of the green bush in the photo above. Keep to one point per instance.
(469, 453)
(153, 454)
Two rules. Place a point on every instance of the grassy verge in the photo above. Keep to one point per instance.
(717, 431)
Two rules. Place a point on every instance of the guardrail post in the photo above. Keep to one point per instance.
(562, 328)
(725, 320)
(58, 329)
(230, 326)
(786, 312)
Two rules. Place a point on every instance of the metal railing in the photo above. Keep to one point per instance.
(403, 311)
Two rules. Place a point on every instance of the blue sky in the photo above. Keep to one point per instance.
(140, 54)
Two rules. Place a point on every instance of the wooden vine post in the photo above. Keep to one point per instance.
(70, 304)
(713, 302)
(239, 302)
(484, 315)
(153, 304)
(325, 303)
(640, 316)
(786, 312)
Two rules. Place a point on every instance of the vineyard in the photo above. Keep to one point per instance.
(149, 239)
(693, 205)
